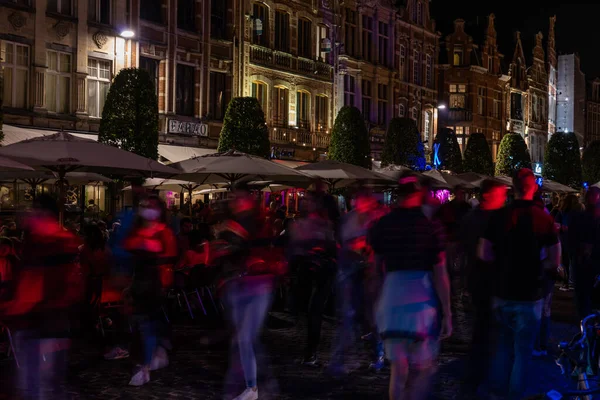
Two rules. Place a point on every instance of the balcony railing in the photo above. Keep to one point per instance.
(279, 60)
(459, 115)
(299, 137)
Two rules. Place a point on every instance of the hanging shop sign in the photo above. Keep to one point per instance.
(187, 128)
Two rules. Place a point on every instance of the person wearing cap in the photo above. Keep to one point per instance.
(415, 292)
(521, 246)
(479, 280)
(584, 245)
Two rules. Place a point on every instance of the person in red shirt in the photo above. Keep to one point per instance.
(46, 288)
(154, 250)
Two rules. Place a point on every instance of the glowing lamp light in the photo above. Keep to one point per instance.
(441, 106)
(127, 34)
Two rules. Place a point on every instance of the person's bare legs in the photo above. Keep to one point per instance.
(418, 385)
(398, 377)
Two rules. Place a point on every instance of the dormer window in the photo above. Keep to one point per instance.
(458, 56)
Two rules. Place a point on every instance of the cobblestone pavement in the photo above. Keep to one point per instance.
(199, 363)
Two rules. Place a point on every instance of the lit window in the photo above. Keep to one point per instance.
(322, 112)
(15, 60)
(58, 82)
(303, 109)
(98, 81)
(259, 92)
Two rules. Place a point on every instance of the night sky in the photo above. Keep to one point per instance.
(577, 25)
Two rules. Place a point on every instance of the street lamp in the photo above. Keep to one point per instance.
(127, 34)
(441, 106)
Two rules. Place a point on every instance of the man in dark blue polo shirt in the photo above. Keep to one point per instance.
(522, 246)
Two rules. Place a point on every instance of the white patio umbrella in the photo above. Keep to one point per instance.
(63, 152)
(7, 163)
(336, 173)
(476, 179)
(35, 178)
(393, 171)
(555, 187)
(444, 180)
(175, 185)
(232, 166)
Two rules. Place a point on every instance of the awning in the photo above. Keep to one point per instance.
(179, 153)
(290, 164)
(173, 154)
(14, 134)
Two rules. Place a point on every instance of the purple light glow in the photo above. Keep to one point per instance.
(442, 195)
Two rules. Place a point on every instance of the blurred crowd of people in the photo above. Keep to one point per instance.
(391, 269)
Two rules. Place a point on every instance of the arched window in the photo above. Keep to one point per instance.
(259, 91)
(401, 111)
(414, 113)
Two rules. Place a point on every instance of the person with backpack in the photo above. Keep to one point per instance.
(521, 246)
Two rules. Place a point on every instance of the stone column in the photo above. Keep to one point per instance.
(81, 93)
(82, 59)
(39, 88)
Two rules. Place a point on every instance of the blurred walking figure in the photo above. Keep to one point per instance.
(584, 245)
(356, 283)
(415, 293)
(154, 250)
(246, 283)
(479, 279)
(569, 208)
(521, 244)
(451, 215)
(312, 250)
(47, 287)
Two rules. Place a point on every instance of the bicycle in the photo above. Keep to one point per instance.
(579, 359)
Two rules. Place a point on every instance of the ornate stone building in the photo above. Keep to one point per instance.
(528, 98)
(592, 115)
(282, 62)
(536, 128)
(302, 59)
(552, 77)
(472, 85)
(60, 56)
(388, 65)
